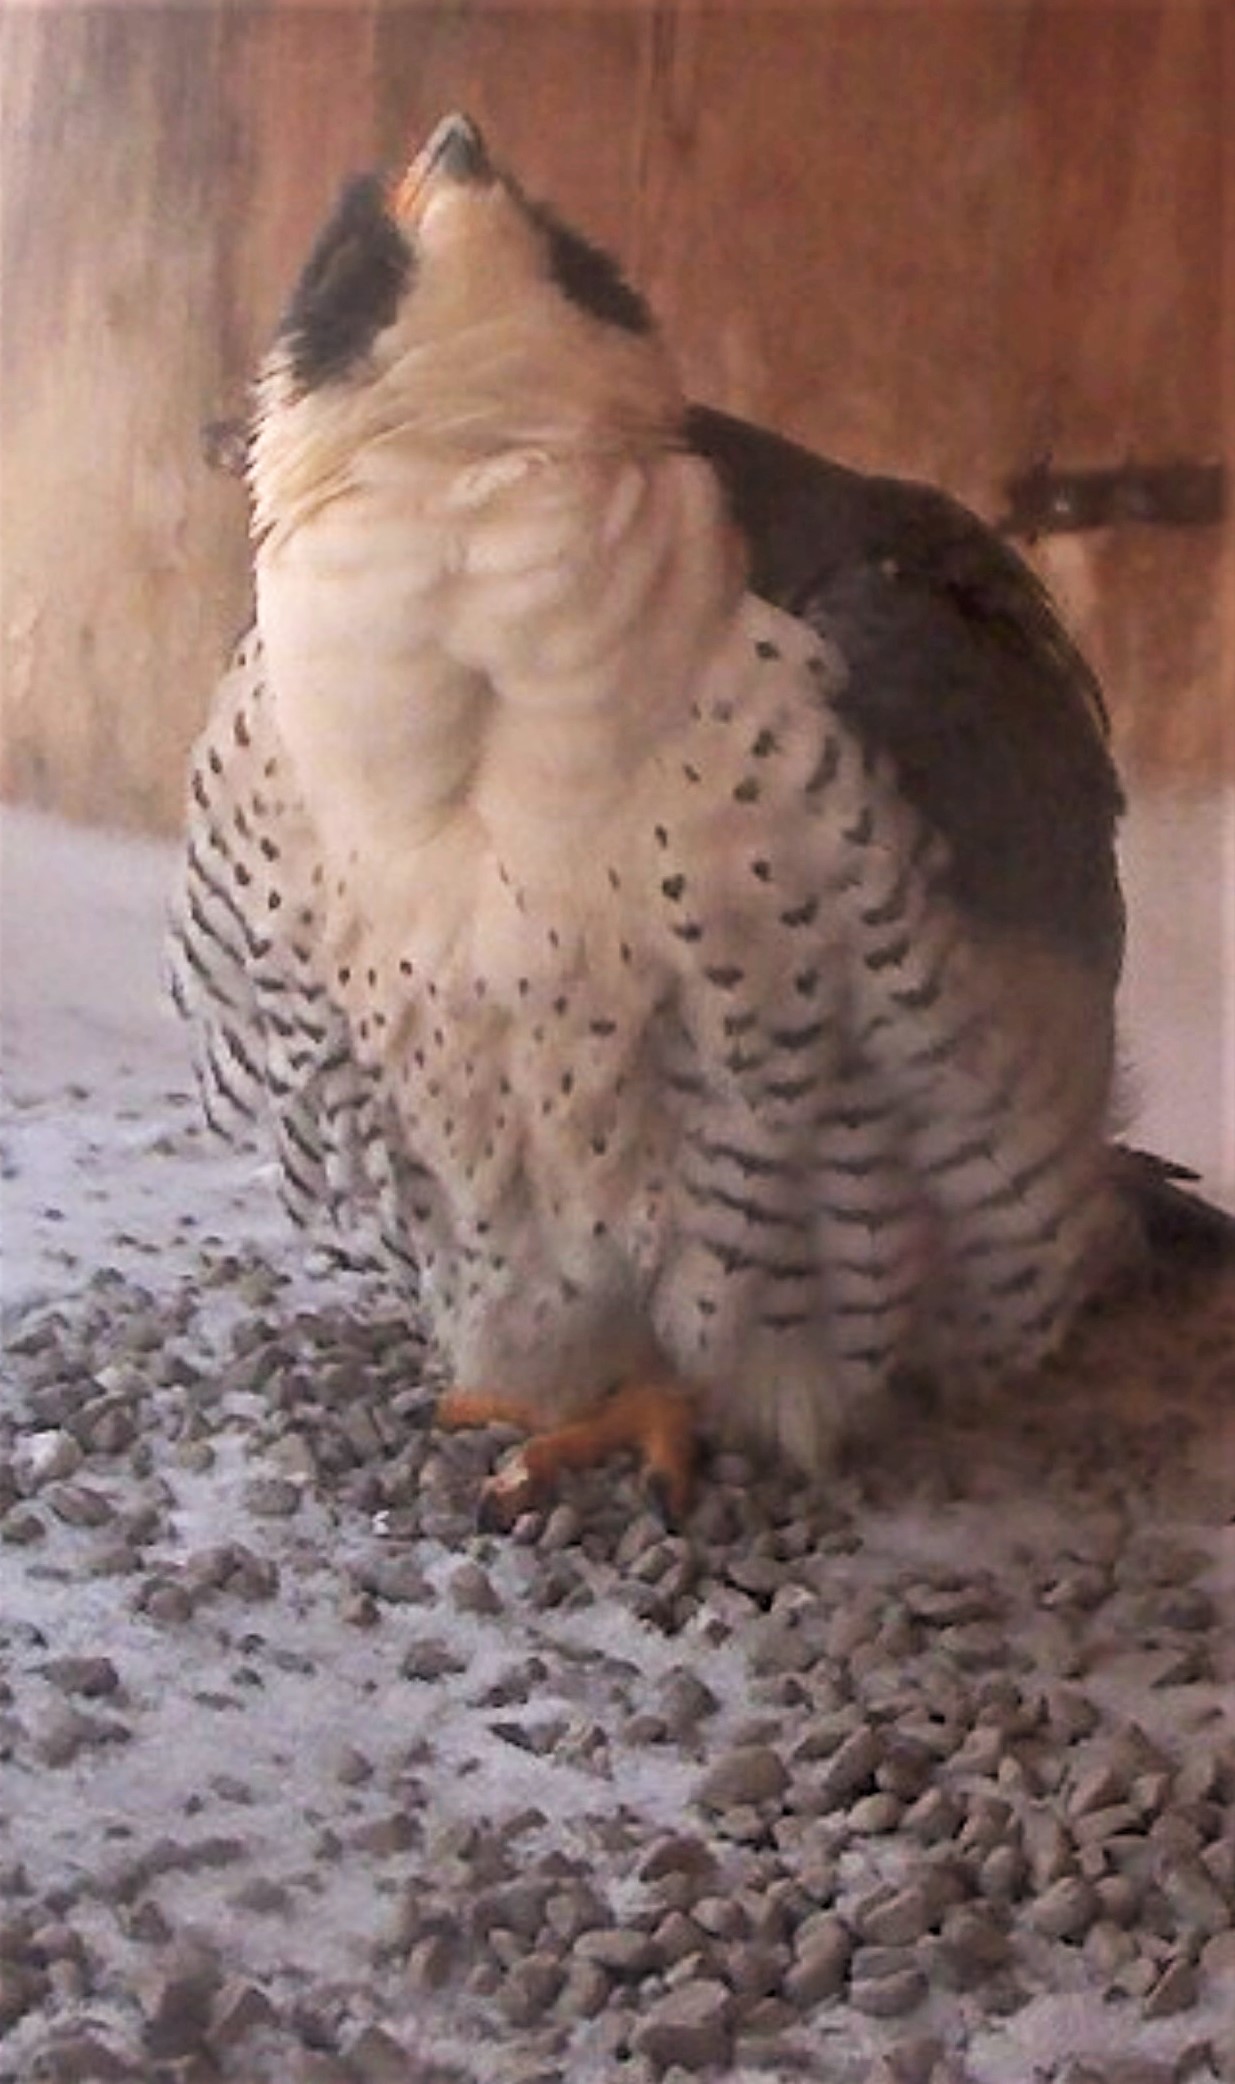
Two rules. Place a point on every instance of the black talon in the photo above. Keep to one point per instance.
(493, 1512)
(659, 1491)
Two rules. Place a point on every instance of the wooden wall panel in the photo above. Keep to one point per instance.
(1116, 328)
(944, 239)
(115, 547)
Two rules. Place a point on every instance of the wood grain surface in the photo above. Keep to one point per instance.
(949, 240)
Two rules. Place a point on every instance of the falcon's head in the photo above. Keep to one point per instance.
(445, 308)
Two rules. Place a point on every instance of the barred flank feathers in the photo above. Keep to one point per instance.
(1004, 1128)
(272, 1051)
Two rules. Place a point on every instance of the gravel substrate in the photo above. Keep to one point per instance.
(303, 1780)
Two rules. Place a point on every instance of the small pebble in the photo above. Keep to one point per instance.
(530, 1989)
(896, 1918)
(750, 1775)
(178, 2011)
(821, 1963)
(272, 1497)
(623, 1954)
(935, 1818)
(850, 1769)
(374, 2056)
(69, 1732)
(239, 2008)
(691, 2026)
(677, 1854)
(432, 1962)
(1065, 1910)
(973, 1946)
(166, 1601)
(686, 1700)
(429, 1658)
(19, 1990)
(973, 1785)
(384, 1836)
(91, 1676)
(472, 1590)
(873, 1816)
(1176, 1990)
(1195, 1897)
(585, 1991)
(398, 1579)
(45, 1457)
(78, 1504)
(890, 1993)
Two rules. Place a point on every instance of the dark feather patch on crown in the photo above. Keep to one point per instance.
(350, 289)
(588, 276)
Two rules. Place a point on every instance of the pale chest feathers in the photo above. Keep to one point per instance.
(512, 640)
(525, 1059)
(538, 981)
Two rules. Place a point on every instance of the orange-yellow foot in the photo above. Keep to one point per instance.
(656, 1419)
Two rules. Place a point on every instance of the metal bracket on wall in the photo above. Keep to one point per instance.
(1046, 501)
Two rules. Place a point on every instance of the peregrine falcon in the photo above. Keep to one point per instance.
(556, 894)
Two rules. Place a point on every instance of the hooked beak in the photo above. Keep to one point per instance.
(455, 152)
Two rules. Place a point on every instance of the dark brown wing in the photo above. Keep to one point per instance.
(959, 670)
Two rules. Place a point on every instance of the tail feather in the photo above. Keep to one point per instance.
(1180, 1226)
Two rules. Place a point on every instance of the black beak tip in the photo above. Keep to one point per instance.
(457, 150)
